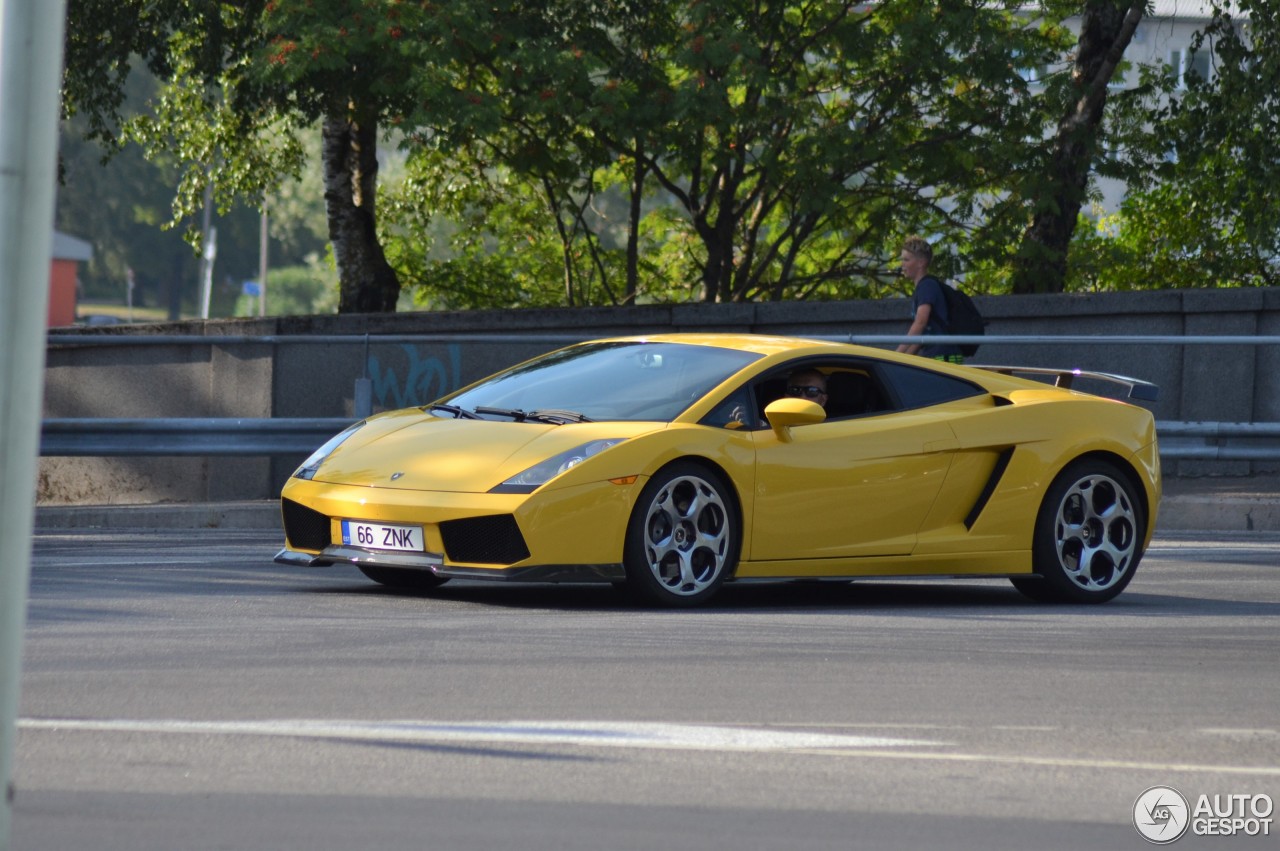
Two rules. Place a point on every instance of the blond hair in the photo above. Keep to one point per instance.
(919, 246)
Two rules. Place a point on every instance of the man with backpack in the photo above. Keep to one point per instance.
(932, 307)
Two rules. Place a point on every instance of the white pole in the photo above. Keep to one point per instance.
(30, 71)
(208, 237)
(206, 270)
(262, 263)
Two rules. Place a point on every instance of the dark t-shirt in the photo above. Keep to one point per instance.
(929, 291)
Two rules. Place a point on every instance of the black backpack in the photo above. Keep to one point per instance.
(965, 318)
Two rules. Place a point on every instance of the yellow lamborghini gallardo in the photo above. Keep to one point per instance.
(672, 464)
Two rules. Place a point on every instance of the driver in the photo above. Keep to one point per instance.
(808, 384)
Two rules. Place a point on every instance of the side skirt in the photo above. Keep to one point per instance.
(973, 565)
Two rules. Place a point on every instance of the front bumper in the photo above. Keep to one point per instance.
(568, 534)
(434, 563)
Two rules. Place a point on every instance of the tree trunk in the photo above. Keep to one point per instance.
(712, 279)
(717, 238)
(366, 282)
(1106, 29)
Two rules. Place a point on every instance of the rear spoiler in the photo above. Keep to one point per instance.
(1138, 389)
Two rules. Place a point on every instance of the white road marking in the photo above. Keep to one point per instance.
(1066, 762)
(1254, 541)
(626, 735)
(587, 733)
(122, 561)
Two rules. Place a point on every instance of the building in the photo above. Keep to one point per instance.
(68, 254)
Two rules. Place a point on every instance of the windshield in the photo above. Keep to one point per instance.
(607, 381)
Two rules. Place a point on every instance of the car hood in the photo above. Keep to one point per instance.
(411, 450)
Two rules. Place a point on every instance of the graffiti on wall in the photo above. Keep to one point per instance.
(425, 377)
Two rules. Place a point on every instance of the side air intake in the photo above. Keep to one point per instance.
(306, 528)
(495, 539)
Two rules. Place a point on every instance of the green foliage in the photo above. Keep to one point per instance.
(117, 207)
(795, 143)
(296, 291)
(295, 208)
(107, 40)
(218, 150)
(120, 200)
(467, 235)
(1203, 213)
(1164, 238)
(202, 120)
(444, 243)
(564, 152)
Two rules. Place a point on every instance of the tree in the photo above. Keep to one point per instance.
(119, 203)
(744, 151)
(793, 140)
(1106, 28)
(1206, 214)
(118, 207)
(1199, 212)
(467, 237)
(119, 200)
(323, 61)
(241, 79)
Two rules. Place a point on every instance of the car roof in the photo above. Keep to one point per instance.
(775, 347)
(762, 344)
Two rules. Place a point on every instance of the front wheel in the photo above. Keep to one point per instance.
(1088, 535)
(683, 538)
(410, 580)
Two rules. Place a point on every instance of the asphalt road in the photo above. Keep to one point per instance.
(183, 692)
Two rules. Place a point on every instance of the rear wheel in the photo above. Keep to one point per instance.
(1088, 535)
(683, 538)
(395, 577)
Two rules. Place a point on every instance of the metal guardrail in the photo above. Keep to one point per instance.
(1219, 441)
(260, 437)
(107, 437)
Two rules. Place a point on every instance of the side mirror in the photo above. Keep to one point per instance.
(788, 412)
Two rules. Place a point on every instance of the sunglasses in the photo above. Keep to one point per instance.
(808, 391)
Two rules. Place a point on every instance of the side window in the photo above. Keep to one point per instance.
(770, 390)
(853, 389)
(919, 388)
(854, 393)
(737, 411)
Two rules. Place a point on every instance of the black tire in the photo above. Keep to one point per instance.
(396, 577)
(683, 538)
(1088, 535)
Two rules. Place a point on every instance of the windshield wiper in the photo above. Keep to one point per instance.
(458, 413)
(558, 416)
(555, 417)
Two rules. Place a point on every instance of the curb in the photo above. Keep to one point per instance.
(262, 514)
(1219, 513)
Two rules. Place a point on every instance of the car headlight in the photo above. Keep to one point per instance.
(543, 472)
(313, 462)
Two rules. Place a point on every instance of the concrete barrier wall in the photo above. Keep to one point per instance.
(1197, 382)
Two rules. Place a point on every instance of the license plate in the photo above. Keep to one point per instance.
(376, 536)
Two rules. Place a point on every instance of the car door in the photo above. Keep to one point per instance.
(858, 485)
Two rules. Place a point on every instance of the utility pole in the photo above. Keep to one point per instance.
(30, 76)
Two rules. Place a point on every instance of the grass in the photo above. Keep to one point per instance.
(139, 314)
